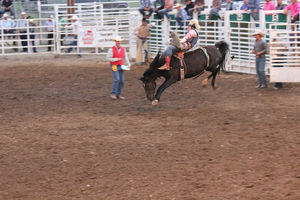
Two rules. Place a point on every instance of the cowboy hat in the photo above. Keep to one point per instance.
(74, 17)
(23, 13)
(258, 32)
(5, 15)
(178, 5)
(195, 23)
(117, 38)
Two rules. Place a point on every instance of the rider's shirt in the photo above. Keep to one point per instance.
(191, 39)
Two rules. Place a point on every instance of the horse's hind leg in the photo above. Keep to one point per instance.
(214, 74)
(204, 82)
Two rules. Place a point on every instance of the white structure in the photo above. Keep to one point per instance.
(99, 24)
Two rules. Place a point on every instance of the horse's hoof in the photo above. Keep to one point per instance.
(204, 82)
(154, 102)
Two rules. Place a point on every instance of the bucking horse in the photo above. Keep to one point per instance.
(196, 62)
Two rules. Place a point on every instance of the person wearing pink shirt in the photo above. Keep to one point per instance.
(294, 7)
(186, 43)
(269, 5)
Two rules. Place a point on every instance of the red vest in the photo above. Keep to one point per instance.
(117, 54)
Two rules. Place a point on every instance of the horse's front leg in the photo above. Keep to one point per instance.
(160, 90)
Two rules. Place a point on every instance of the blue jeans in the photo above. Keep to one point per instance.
(169, 51)
(118, 83)
(11, 11)
(142, 11)
(214, 12)
(260, 70)
(255, 15)
(74, 43)
(180, 21)
(164, 12)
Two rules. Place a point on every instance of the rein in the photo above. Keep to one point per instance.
(180, 56)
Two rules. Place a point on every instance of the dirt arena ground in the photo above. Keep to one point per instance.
(62, 137)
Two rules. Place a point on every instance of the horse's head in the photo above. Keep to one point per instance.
(149, 86)
(151, 75)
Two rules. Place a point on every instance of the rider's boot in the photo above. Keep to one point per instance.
(166, 66)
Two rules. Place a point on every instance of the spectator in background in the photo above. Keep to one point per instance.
(244, 6)
(230, 5)
(294, 7)
(75, 25)
(32, 34)
(260, 49)
(49, 28)
(216, 7)
(116, 56)
(8, 25)
(142, 33)
(22, 27)
(269, 5)
(8, 6)
(280, 5)
(189, 7)
(62, 22)
(157, 9)
(146, 6)
(254, 6)
(181, 15)
(198, 7)
(167, 8)
(277, 54)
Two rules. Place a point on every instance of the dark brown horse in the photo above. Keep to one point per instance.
(196, 63)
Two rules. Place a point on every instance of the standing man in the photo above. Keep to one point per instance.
(49, 28)
(75, 26)
(8, 25)
(116, 56)
(259, 50)
(22, 27)
(142, 33)
(32, 34)
(62, 23)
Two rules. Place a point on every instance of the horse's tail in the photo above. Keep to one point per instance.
(223, 48)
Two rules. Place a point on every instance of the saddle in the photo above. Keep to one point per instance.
(180, 56)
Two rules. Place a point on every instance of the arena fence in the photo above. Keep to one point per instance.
(98, 24)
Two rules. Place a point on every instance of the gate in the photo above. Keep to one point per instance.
(284, 53)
